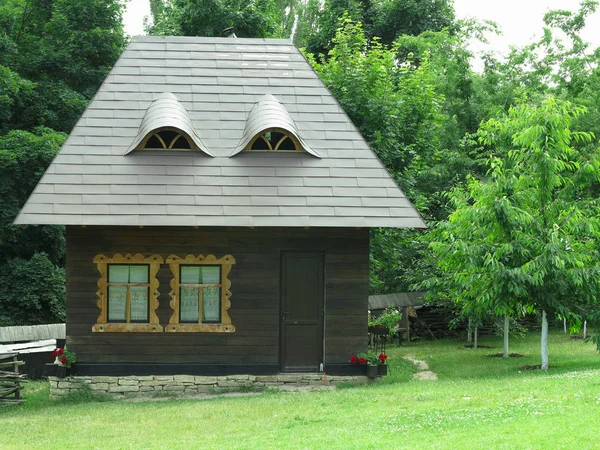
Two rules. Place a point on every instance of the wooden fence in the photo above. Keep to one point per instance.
(11, 379)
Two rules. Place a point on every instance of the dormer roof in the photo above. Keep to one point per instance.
(208, 88)
(268, 113)
(167, 112)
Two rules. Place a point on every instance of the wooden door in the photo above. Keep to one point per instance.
(302, 291)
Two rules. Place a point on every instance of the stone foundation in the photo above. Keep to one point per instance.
(190, 385)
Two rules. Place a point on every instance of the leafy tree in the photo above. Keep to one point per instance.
(61, 50)
(33, 292)
(24, 157)
(385, 19)
(254, 18)
(527, 237)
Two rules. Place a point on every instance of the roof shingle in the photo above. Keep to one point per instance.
(213, 84)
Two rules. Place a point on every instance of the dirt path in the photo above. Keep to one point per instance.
(423, 374)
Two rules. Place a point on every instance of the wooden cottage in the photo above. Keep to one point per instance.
(217, 203)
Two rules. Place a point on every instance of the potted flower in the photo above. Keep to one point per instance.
(371, 360)
(382, 368)
(64, 360)
(386, 323)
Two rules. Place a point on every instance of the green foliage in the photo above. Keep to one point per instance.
(527, 237)
(370, 356)
(388, 318)
(255, 18)
(386, 19)
(24, 157)
(58, 53)
(71, 358)
(33, 292)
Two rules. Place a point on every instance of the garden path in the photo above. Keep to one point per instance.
(423, 374)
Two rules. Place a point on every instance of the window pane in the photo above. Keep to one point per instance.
(211, 275)
(138, 297)
(211, 304)
(138, 274)
(118, 273)
(117, 296)
(188, 307)
(190, 275)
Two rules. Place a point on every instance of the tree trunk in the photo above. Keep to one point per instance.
(565, 324)
(506, 328)
(475, 338)
(584, 329)
(544, 341)
(469, 331)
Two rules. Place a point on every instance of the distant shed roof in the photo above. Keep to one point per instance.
(217, 82)
(398, 300)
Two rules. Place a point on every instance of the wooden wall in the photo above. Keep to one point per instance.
(255, 287)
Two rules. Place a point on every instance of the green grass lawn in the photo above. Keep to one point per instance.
(478, 402)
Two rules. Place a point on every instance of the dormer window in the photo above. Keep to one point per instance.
(270, 128)
(166, 139)
(166, 125)
(276, 140)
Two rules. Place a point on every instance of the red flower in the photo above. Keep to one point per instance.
(54, 353)
(60, 351)
(382, 357)
(63, 360)
(362, 361)
(354, 360)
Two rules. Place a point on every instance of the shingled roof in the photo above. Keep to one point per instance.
(96, 180)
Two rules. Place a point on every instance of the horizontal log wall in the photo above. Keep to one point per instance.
(255, 287)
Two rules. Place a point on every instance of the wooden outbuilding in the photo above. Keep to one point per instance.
(217, 203)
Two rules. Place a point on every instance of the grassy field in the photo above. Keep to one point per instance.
(478, 402)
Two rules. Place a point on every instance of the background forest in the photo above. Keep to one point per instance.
(401, 69)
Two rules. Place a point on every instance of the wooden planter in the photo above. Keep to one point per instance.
(382, 370)
(379, 330)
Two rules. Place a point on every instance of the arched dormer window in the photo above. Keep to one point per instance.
(166, 125)
(167, 139)
(270, 128)
(276, 140)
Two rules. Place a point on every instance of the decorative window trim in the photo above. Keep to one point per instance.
(102, 325)
(286, 135)
(167, 146)
(175, 262)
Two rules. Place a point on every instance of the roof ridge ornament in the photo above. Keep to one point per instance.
(167, 112)
(269, 114)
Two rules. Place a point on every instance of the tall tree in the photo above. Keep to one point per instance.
(64, 50)
(528, 235)
(54, 54)
(254, 18)
(385, 19)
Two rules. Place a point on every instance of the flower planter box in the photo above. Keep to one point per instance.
(379, 330)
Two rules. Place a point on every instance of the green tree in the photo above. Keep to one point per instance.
(33, 292)
(527, 237)
(24, 157)
(254, 18)
(61, 50)
(385, 19)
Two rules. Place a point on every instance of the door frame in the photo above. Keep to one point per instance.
(321, 321)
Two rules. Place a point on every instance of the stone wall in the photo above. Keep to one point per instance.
(190, 385)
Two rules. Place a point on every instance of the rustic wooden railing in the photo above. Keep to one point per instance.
(11, 379)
